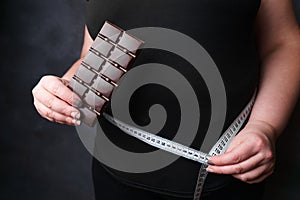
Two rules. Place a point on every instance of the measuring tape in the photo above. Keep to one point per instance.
(184, 151)
(222, 144)
(160, 142)
(97, 76)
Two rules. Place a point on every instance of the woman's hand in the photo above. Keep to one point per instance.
(251, 155)
(53, 101)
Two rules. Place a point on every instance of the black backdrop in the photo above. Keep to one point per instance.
(44, 160)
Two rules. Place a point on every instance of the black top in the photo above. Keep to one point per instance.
(225, 30)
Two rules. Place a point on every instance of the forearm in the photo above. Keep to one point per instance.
(71, 71)
(250, 156)
(279, 87)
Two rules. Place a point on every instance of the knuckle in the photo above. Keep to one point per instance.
(33, 91)
(50, 114)
(40, 111)
(239, 169)
(259, 143)
(68, 96)
(50, 102)
(51, 83)
(269, 155)
(35, 105)
(66, 110)
(54, 87)
(36, 91)
(236, 157)
(44, 80)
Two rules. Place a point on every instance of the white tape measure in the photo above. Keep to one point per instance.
(222, 144)
(160, 142)
(184, 151)
(107, 60)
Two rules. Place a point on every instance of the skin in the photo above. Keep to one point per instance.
(54, 100)
(251, 155)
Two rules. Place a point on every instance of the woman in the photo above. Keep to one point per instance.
(253, 43)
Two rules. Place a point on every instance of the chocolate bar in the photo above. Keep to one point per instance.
(102, 67)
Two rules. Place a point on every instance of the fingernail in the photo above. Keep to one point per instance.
(77, 103)
(75, 115)
(209, 169)
(210, 162)
(76, 122)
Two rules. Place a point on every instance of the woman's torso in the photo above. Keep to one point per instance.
(225, 29)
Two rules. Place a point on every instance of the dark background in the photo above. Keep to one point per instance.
(44, 160)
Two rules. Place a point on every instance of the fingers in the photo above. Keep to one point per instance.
(54, 116)
(248, 143)
(237, 168)
(238, 153)
(55, 86)
(256, 175)
(53, 101)
(250, 156)
(251, 170)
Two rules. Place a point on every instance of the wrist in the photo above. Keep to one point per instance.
(266, 128)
